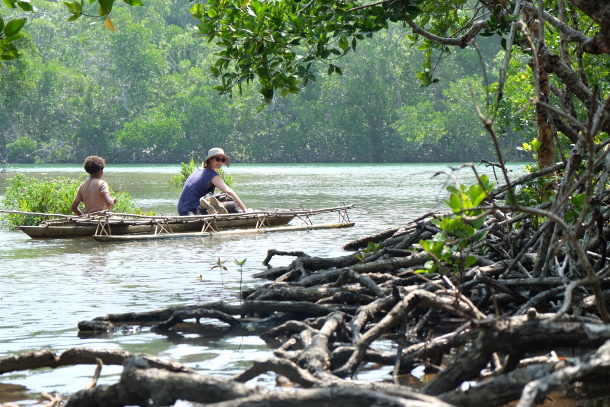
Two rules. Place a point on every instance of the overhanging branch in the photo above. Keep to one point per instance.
(461, 42)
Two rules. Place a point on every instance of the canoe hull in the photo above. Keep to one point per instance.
(53, 231)
(68, 231)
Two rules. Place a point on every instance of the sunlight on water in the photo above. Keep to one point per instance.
(48, 286)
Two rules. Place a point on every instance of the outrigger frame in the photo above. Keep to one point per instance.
(111, 224)
(263, 224)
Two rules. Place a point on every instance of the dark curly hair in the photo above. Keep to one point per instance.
(94, 163)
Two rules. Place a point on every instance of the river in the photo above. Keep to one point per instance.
(48, 286)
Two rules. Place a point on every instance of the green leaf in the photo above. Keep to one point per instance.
(536, 144)
(470, 260)
(197, 10)
(426, 244)
(75, 7)
(478, 224)
(578, 200)
(8, 51)
(13, 27)
(480, 236)
(25, 6)
(105, 7)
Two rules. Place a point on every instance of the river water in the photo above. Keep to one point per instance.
(48, 286)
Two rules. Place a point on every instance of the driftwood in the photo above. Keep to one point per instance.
(47, 358)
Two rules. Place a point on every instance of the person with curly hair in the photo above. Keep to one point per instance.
(94, 192)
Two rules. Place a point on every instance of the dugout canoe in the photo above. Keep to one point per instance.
(119, 224)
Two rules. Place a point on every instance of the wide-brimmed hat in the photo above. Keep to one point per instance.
(216, 152)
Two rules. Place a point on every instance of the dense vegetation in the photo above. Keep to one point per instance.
(49, 195)
(144, 94)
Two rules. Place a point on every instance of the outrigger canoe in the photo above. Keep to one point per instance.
(121, 226)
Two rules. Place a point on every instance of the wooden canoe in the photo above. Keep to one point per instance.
(115, 224)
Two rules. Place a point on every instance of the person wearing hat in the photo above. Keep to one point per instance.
(203, 181)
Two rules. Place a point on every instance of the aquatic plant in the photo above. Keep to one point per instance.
(240, 263)
(220, 264)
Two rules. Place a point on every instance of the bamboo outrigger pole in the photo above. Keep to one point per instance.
(126, 238)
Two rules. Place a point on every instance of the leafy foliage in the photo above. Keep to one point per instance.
(536, 191)
(178, 180)
(72, 96)
(186, 170)
(371, 247)
(51, 196)
(279, 43)
(463, 229)
(22, 147)
(11, 31)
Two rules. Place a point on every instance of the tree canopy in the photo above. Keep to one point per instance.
(155, 100)
(143, 93)
(273, 41)
(281, 45)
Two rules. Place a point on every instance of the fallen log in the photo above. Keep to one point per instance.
(218, 310)
(515, 338)
(142, 385)
(80, 356)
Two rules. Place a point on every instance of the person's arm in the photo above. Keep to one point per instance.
(110, 202)
(75, 207)
(220, 184)
(104, 191)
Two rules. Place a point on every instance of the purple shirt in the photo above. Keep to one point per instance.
(198, 184)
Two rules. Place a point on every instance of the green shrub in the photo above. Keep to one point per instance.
(178, 180)
(22, 149)
(29, 194)
(450, 250)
